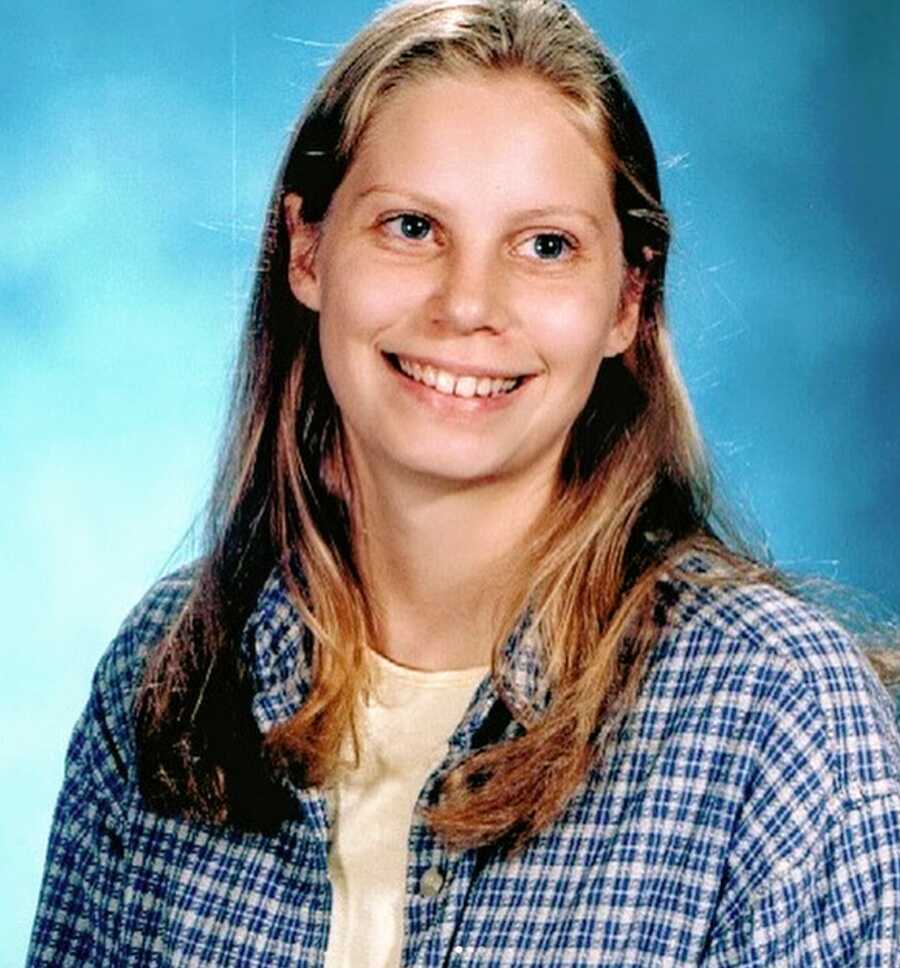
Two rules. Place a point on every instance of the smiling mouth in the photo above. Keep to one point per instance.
(455, 384)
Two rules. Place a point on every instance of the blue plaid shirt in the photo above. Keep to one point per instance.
(747, 813)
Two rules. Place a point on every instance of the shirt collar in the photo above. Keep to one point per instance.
(278, 650)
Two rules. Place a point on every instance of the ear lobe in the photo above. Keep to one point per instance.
(624, 330)
(303, 239)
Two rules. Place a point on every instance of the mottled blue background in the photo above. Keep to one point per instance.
(138, 145)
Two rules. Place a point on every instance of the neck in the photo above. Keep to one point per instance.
(438, 563)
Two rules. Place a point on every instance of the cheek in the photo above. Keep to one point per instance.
(571, 329)
(361, 299)
(359, 304)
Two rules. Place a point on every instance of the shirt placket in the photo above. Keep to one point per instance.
(439, 880)
(314, 839)
(438, 883)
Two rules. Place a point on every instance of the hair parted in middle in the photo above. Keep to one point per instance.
(633, 491)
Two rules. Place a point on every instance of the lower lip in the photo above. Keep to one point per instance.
(449, 403)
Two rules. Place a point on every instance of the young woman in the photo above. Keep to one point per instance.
(467, 675)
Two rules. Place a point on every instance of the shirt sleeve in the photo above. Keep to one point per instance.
(77, 905)
(839, 907)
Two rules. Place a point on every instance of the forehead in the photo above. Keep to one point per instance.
(504, 128)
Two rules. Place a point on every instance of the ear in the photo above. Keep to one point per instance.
(302, 276)
(622, 334)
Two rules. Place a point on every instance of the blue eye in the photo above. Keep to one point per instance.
(550, 245)
(410, 226)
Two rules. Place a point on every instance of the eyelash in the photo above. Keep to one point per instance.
(569, 245)
(567, 242)
(397, 219)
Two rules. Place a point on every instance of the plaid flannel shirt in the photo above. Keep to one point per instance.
(747, 812)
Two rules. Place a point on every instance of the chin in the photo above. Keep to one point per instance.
(464, 467)
(442, 462)
(454, 475)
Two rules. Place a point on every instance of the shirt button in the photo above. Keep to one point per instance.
(431, 883)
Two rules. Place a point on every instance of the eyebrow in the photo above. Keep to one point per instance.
(549, 210)
(544, 211)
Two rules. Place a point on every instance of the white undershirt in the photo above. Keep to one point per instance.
(404, 729)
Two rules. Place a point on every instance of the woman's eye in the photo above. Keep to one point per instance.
(549, 246)
(409, 226)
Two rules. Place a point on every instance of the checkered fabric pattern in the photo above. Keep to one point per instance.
(747, 813)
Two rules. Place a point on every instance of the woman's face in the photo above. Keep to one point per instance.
(469, 281)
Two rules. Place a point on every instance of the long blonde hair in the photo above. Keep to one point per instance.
(633, 491)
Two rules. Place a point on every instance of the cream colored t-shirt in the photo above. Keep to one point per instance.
(404, 730)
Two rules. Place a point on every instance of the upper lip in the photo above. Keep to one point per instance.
(463, 369)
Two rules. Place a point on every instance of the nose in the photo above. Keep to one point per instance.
(468, 294)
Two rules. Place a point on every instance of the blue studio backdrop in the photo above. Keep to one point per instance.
(139, 144)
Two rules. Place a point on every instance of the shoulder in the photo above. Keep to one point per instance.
(144, 627)
(109, 717)
(770, 720)
(780, 671)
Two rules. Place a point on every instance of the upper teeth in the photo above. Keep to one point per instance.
(453, 384)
